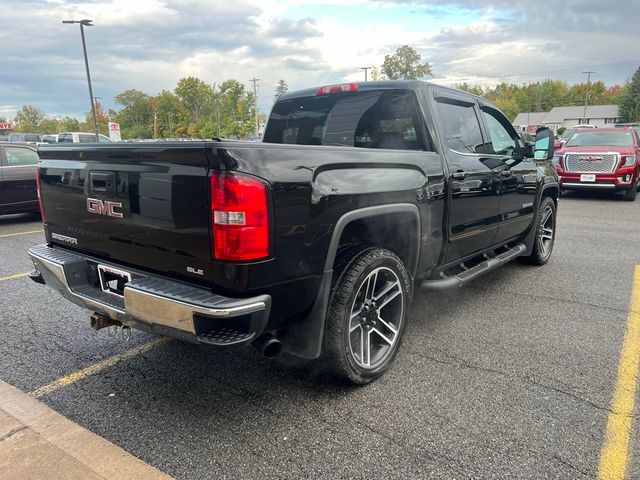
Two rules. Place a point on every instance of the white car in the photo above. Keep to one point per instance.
(81, 137)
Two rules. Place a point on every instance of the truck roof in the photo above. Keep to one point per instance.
(363, 86)
(375, 85)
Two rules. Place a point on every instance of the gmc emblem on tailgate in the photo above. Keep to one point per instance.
(104, 207)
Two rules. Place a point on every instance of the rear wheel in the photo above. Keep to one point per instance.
(367, 315)
(545, 233)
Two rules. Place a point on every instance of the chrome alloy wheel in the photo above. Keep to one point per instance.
(545, 232)
(376, 317)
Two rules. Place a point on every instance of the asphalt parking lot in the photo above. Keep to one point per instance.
(511, 377)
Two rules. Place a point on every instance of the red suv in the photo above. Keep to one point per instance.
(600, 158)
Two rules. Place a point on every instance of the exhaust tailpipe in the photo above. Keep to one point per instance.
(268, 345)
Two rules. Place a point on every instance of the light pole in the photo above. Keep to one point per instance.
(586, 96)
(87, 23)
(97, 105)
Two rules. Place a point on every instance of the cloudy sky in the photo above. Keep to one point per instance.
(150, 44)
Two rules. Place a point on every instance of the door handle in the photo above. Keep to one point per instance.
(103, 182)
(459, 175)
(505, 173)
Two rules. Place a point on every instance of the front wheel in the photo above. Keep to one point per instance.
(545, 233)
(367, 315)
(630, 195)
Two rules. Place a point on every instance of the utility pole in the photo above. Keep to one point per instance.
(87, 23)
(170, 130)
(586, 96)
(155, 125)
(255, 99)
(366, 69)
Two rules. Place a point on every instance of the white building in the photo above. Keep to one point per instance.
(529, 121)
(598, 115)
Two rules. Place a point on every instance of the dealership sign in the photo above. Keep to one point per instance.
(114, 132)
(6, 125)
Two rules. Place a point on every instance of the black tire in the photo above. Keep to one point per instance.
(545, 234)
(355, 317)
(630, 195)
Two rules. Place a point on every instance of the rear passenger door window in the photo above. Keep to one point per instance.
(461, 126)
(19, 157)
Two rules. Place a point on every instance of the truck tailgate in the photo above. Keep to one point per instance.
(142, 205)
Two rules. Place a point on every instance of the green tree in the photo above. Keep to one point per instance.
(29, 119)
(69, 124)
(630, 105)
(170, 113)
(234, 113)
(103, 120)
(473, 89)
(377, 75)
(281, 88)
(196, 98)
(135, 118)
(405, 64)
(50, 125)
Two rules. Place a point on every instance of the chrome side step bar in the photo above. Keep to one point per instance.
(472, 273)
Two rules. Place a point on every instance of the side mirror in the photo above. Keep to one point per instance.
(543, 149)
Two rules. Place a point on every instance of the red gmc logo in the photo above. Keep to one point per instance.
(104, 207)
(591, 159)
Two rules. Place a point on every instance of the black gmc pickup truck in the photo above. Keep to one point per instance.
(310, 242)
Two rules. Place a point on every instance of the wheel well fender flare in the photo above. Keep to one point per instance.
(305, 339)
(369, 212)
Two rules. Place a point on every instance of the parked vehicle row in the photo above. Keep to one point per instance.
(63, 137)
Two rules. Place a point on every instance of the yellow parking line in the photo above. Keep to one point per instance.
(12, 277)
(20, 233)
(614, 455)
(95, 368)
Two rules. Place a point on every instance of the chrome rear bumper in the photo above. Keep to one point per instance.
(151, 303)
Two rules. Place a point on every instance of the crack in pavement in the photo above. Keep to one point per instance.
(459, 362)
(12, 432)
(551, 297)
(571, 466)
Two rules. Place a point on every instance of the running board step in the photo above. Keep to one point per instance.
(472, 273)
(226, 337)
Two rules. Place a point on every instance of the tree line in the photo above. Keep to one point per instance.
(542, 96)
(195, 108)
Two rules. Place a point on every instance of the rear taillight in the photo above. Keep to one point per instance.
(42, 215)
(341, 88)
(239, 217)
